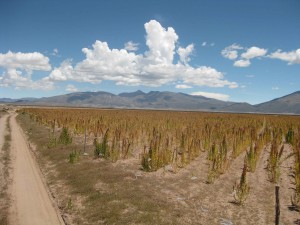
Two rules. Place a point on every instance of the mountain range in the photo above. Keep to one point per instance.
(289, 104)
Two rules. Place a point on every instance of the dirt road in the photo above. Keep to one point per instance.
(31, 203)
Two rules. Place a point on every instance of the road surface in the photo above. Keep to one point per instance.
(31, 203)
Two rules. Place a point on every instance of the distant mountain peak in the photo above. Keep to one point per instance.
(286, 104)
(163, 100)
(132, 94)
(140, 92)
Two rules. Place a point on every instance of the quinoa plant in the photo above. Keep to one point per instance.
(73, 157)
(289, 137)
(295, 199)
(126, 143)
(146, 165)
(52, 143)
(252, 157)
(102, 148)
(241, 190)
(150, 159)
(217, 156)
(65, 137)
(275, 161)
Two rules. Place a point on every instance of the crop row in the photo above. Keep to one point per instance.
(162, 138)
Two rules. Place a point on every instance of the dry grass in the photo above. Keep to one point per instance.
(5, 175)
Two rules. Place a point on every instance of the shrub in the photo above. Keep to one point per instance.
(73, 157)
(52, 141)
(65, 137)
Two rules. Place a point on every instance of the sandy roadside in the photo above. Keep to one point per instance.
(2, 134)
(2, 128)
(31, 203)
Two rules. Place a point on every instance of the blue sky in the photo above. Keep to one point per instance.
(244, 51)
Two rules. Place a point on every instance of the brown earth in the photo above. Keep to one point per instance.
(31, 203)
(2, 134)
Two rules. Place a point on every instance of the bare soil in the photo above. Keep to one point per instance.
(31, 203)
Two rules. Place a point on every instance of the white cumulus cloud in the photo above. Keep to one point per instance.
(184, 53)
(131, 46)
(292, 57)
(243, 60)
(231, 52)
(155, 67)
(218, 96)
(62, 73)
(242, 63)
(18, 68)
(25, 61)
(15, 78)
(161, 42)
(254, 52)
(206, 76)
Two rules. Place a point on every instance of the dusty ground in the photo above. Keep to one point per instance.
(2, 134)
(100, 192)
(31, 203)
(4, 176)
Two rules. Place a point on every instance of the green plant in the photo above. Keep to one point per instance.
(102, 149)
(241, 190)
(69, 204)
(153, 153)
(289, 137)
(213, 165)
(217, 155)
(212, 153)
(212, 172)
(73, 157)
(274, 162)
(182, 150)
(65, 137)
(146, 158)
(252, 157)
(52, 143)
(223, 151)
